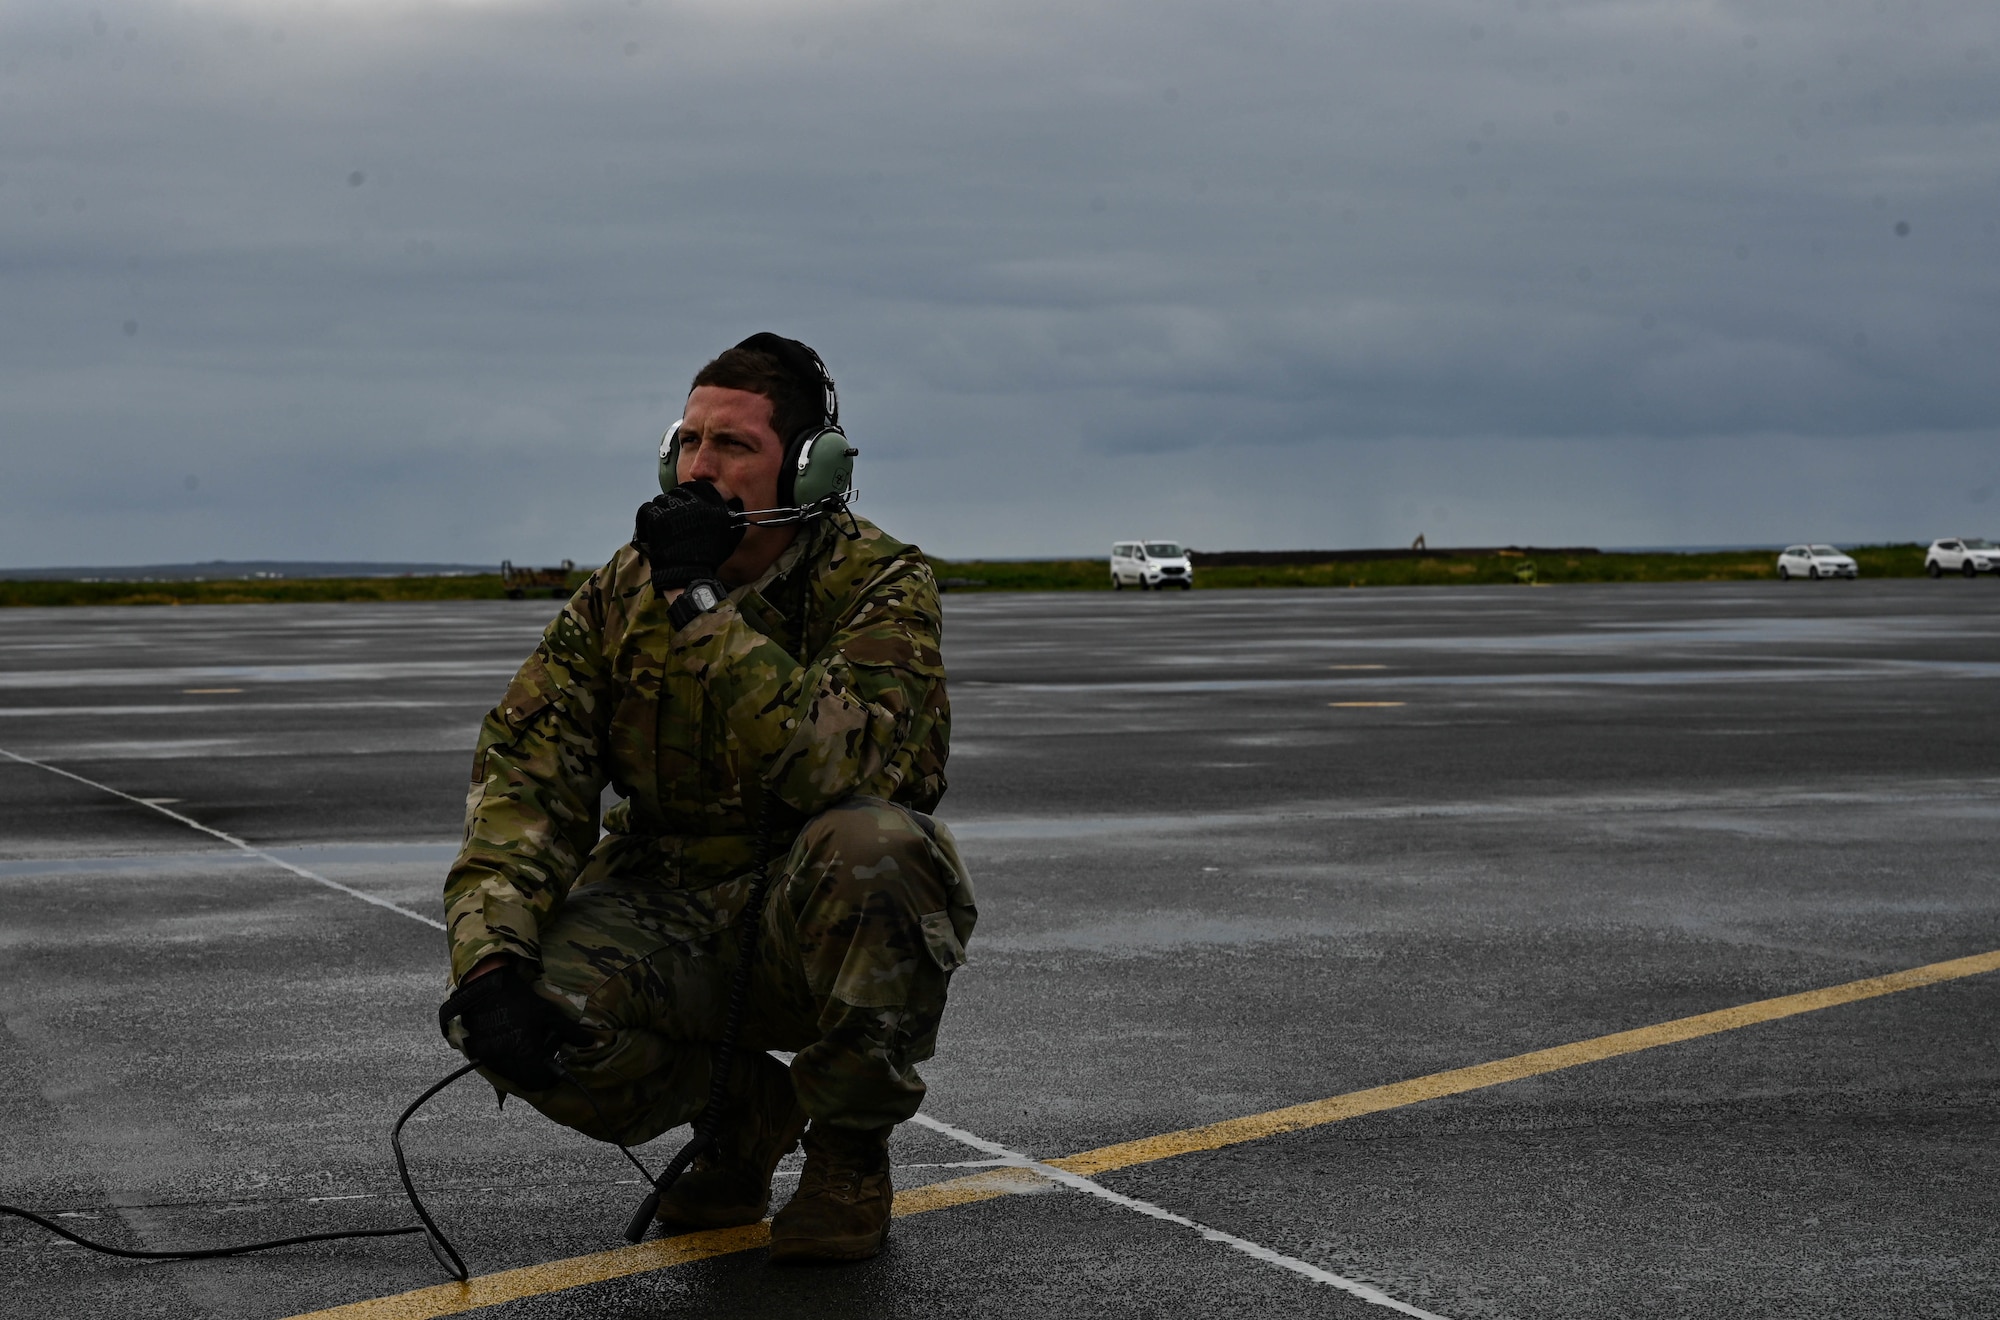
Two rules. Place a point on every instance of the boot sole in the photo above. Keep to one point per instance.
(822, 1251)
(671, 1222)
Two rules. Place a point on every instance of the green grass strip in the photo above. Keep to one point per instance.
(1876, 561)
(483, 586)
(1728, 566)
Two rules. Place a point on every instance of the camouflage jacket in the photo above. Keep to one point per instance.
(820, 680)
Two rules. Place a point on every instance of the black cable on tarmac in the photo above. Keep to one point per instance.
(434, 1237)
(440, 1246)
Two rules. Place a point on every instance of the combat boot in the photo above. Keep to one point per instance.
(841, 1210)
(731, 1184)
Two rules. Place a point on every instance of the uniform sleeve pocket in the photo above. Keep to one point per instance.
(531, 693)
(893, 650)
(942, 941)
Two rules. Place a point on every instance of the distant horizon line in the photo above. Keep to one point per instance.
(197, 570)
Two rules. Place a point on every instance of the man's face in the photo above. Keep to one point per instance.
(726, 438)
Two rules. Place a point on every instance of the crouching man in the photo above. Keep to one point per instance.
(756, 676)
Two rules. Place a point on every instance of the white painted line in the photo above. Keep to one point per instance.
(1255, 1251)
(231, 840)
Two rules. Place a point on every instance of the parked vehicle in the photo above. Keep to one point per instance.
(1150, 566)
(1970, 555)
(1815, 561)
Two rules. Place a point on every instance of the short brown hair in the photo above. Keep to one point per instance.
(795, 404)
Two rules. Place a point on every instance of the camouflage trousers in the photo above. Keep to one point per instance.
(863, 924)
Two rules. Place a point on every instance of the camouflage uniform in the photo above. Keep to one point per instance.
(811, 706)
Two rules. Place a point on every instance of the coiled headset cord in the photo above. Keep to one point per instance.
(710, 1122)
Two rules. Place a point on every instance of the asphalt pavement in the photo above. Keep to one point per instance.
(1235, 852)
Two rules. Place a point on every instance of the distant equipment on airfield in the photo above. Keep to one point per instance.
(518, 582)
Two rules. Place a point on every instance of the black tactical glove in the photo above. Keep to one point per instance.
(686, 533)
(508, 1028)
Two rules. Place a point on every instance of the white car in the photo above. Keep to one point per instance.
(1815, 561)
(1150, 566)
(1970, 555)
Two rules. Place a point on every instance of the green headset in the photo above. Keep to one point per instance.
(817, 474)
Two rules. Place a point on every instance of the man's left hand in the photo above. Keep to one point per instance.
(508, 1028)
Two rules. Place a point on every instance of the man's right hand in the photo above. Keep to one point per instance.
(508, 1028)
(686, 533)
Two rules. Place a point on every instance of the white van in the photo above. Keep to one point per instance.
(1150, 565)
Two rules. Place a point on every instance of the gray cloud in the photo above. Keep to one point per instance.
(426, 280)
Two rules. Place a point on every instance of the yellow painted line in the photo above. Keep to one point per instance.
(965, 1191)
(658, 1254)
(664, 1253)
(555, 1276)
(1459, 1080)
(207, 692)
(1363, 705)
(1358, 666)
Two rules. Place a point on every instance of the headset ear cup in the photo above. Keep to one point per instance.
(670, 458)
(821, 466)
(788, 469)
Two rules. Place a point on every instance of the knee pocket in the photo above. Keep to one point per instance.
(881, 955)
(942, 941)
(878, 910)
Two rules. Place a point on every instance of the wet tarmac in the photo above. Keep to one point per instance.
(1235, 852)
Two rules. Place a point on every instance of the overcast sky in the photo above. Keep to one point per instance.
(416, 279)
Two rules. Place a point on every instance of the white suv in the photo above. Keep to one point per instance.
(1970, 555)
(1815, 561)
(1150, 566)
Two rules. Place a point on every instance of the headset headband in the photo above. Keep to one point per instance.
(816, 472)
(804, 365)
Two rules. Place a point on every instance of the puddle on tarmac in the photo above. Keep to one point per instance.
(1156, 931)
(1831, 672)
(1090, 827)
(313, 857)
(1958, 797)
(479, 668)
